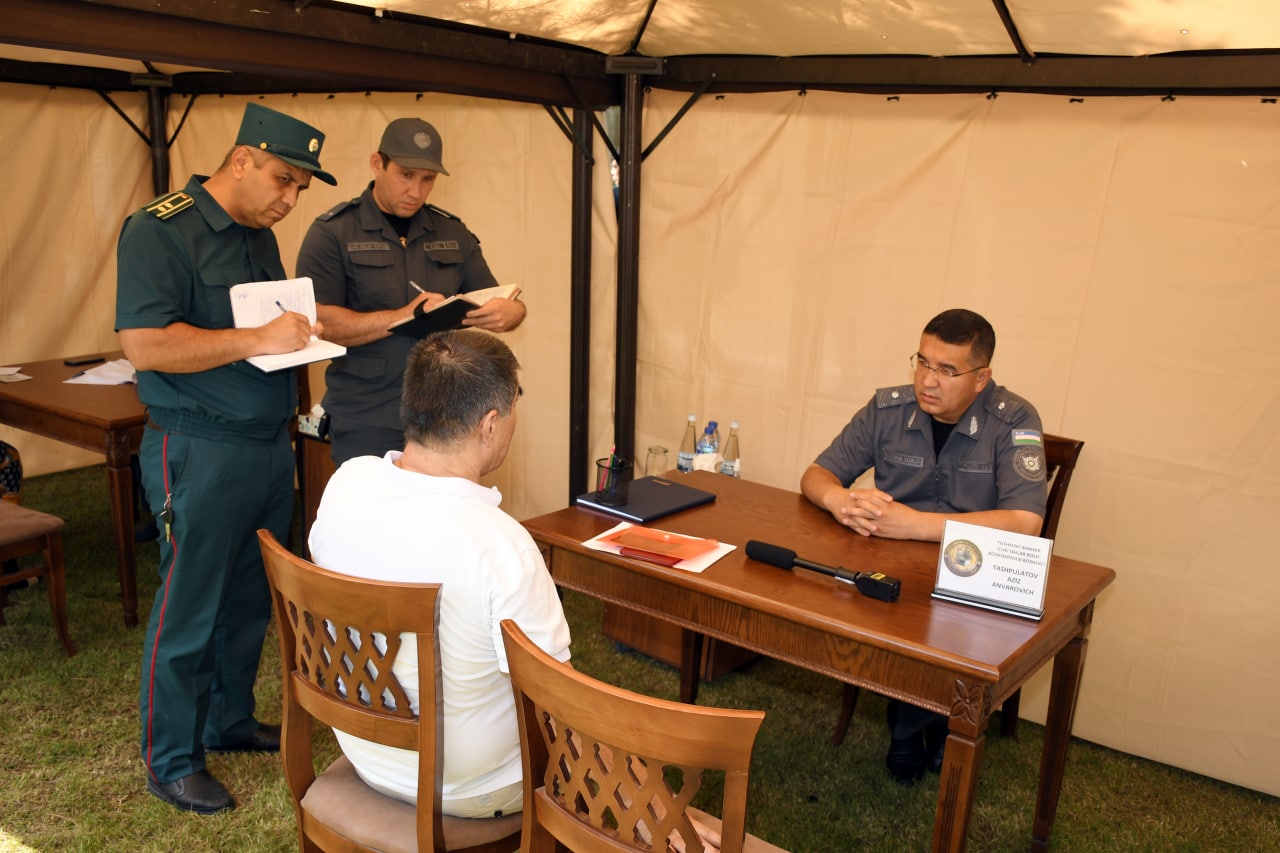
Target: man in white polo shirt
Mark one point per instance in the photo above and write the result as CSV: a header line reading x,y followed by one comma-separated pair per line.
x,y
421,515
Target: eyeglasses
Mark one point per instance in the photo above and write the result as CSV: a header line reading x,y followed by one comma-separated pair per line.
x,y
919,363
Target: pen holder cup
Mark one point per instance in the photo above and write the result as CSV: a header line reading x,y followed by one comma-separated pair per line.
x,y
613,479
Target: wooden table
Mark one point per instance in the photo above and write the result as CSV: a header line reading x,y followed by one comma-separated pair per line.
x,y
107,419
952,659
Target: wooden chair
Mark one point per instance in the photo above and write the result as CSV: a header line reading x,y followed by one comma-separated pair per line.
x,y
25,531
318,613
607,769
1060,455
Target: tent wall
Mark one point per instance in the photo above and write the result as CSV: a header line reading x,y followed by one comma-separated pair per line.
x,y
792,247
73,169
1127,252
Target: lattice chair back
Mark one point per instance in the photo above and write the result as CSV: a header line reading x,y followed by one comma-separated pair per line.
x,y
339,636
608,769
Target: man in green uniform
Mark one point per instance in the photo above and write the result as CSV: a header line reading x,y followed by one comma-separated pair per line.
x,y
216,459
373,259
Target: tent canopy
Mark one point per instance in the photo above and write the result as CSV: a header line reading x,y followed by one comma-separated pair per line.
x,y
568,52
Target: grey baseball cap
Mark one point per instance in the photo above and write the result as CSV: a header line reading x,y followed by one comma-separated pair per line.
x,y
414,144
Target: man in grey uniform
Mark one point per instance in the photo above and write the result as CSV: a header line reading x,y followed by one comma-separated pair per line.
x,y
373,259
952,445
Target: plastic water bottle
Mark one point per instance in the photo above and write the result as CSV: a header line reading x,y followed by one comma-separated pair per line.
x,y
715,435
684,459
729,463
707,442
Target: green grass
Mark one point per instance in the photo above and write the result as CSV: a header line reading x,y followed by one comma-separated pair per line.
x,y
71,779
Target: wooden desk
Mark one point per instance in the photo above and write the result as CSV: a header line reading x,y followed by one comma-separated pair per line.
x,y
107,419
955,660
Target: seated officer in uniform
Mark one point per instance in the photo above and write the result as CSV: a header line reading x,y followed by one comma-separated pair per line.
x,y
952,445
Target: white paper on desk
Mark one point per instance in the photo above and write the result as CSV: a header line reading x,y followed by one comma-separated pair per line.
x,y
118,372
9,371
696,564
256,303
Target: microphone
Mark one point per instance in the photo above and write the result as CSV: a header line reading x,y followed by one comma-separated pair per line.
x,y
875,585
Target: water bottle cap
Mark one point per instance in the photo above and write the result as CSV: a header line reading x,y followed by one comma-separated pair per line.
x,y
712,425
733,425
710,429
693,418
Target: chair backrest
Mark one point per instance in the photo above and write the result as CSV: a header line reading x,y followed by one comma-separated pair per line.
x,y
1060,456
608,769
335,673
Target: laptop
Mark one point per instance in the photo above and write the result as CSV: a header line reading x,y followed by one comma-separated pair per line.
x,y
649,498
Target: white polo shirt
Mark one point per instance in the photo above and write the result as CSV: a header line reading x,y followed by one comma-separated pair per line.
x,y
379,521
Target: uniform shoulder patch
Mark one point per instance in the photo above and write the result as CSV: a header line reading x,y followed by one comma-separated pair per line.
x,y
169,204
443,212
338,208
899,395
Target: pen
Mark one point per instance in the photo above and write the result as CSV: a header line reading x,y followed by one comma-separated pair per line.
x,y
283,310
414,285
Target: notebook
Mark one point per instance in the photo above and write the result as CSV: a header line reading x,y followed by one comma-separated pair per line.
x,y
649,498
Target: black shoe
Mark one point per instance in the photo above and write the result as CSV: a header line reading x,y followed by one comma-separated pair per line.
x,y
935,742
906,758
198,792
265,739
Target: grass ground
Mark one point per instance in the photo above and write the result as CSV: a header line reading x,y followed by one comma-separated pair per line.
x,y
71,780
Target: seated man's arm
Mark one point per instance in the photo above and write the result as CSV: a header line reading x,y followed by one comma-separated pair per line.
x,y
898,521
183,348
872,512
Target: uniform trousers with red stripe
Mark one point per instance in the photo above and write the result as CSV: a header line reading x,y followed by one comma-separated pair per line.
x,y
211,611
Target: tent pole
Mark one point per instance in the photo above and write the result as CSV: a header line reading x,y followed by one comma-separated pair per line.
x,y
580,307
157,109
626,325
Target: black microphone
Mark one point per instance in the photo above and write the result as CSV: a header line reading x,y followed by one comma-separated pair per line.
x,y
876,585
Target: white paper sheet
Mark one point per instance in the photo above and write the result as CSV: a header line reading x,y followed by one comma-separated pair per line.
x,y
695,564
257,303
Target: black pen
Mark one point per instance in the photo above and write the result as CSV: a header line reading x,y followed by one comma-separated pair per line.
x,y
283,310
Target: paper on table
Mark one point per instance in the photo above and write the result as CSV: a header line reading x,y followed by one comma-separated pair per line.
x,y
695,564
257,303
9,371
118,372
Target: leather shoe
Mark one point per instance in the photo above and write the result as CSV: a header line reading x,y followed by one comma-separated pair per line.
x,y
265,739
198,792
935,742
906,758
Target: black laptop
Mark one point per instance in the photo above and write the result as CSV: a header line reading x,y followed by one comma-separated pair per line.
x,y
649,498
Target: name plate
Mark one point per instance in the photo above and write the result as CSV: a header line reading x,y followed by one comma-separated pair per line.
x,y
993,569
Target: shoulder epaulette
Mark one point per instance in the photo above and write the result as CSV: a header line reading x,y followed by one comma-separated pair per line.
x,y
1005,405
899,395
169,204
443,212
338,208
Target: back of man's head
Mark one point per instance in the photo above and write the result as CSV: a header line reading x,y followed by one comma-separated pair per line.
x,y
451,381
959,326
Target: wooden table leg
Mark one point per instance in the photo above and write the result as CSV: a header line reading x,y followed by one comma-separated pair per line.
x,y
962,762
120,486
1068,667
690,664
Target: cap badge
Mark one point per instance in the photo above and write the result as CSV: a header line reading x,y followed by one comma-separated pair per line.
x,y
422,140
314,145
262,145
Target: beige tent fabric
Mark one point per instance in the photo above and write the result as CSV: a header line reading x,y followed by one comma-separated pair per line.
x,y
792,247
509,181
1126,251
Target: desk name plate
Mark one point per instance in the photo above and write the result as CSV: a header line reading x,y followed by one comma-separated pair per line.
x,y
993,569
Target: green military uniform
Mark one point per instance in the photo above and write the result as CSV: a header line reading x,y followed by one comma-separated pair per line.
x,y
357,261
217,451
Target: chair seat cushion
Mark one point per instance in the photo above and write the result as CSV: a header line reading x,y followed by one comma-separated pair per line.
x,y
341,800
18,523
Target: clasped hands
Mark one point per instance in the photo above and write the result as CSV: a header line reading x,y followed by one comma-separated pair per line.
x,y
871,512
